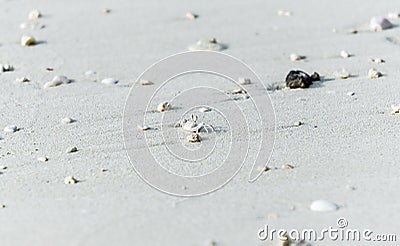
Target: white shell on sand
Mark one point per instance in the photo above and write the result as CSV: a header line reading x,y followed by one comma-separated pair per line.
x,y
42,158
163,107
11,128
22,79
373,73
67,120
323,206
344,54
28,40
244,81
204,109
351,93
57,80
296,57
34,14
284,13
109,81
145,82
191,16
70,180
377,60
344,74
379,23
144,128
205,44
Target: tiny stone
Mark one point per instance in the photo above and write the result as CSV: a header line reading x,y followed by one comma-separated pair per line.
x,y
296,57
191,16
145,82
7,68
204,109
106,11
103,170
239,91
298,123
210,44
42,158
61,78
373,73
3,167
344,74
352,31
163,107
323,206
144,128
22,80
70,180
11,128
52,84
344,54
109,81
27,40
2,206
284,13
351,93
300,79
244,81
67,120
72,150
287,166
34,14
377,60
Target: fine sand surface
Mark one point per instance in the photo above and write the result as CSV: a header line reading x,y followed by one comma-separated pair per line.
x,y
346,151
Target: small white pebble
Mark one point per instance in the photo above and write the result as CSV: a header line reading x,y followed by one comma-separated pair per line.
x,y
204,109
2,206
284,13
27,40
67,120
373,73
296,57
344,74
3,167
191,16
298,123
145,82
11,128
244,81
109,81
376,60
323,206
239,91
393,15
52,84
344,54
163,107
7,68
70,180
106,11
42,159
287,166
351,93
34,14
90,73
22,79
144,128
57,80
72,150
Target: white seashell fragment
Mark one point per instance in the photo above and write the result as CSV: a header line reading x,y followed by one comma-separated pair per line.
x,y
351,93
393,15
244,81
67,120
145,82
11,128
344,54
144,128
239,91
191,16
284,13
373,73
70,180
296,57
109,81
106,11
52,84
323,206
57,80
72,150
378,23
27,40
210,44
287,166
395,109
34,14
204,109
344,74
42,159
377,60
163,107
22,79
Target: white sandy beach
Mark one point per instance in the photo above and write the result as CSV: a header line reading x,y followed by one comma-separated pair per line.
x,y
346,151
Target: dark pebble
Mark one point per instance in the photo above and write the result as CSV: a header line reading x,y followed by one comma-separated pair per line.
x,y
300,79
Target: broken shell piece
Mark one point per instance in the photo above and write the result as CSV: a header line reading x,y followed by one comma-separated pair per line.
x,y
204,109
109,81
27,40
393,15
57,80
144,128
193,138
344,54
163,107
7,68
323,206
373,73
191,16
284,13
300,79
210,44
11,128
395,109
351,93
72,150
298,123
145,82
42,158
352,31
344,74
296,57
67,120
244,81
377,60
34,14
70,180
239,91
22,80
105,11
287,166
379,23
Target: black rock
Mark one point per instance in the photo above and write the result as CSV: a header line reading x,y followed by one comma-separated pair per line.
x,y
300,79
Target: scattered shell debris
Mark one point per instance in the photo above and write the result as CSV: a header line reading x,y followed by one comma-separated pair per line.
x,y
376,60
204,109
378,23
42,158
72,150
210,44
284,13
28,40
67,120
393,15
296,57
22,80
244,81
34,14
373,73
323,206
6,67
144,128
145,82
344,54
193,138
343,74
239,91
287,166
109,81
163,107
70,180
11,128
300,79
395,109
56,81
191,16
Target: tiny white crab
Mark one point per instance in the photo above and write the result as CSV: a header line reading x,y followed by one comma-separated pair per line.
x,y
192,125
